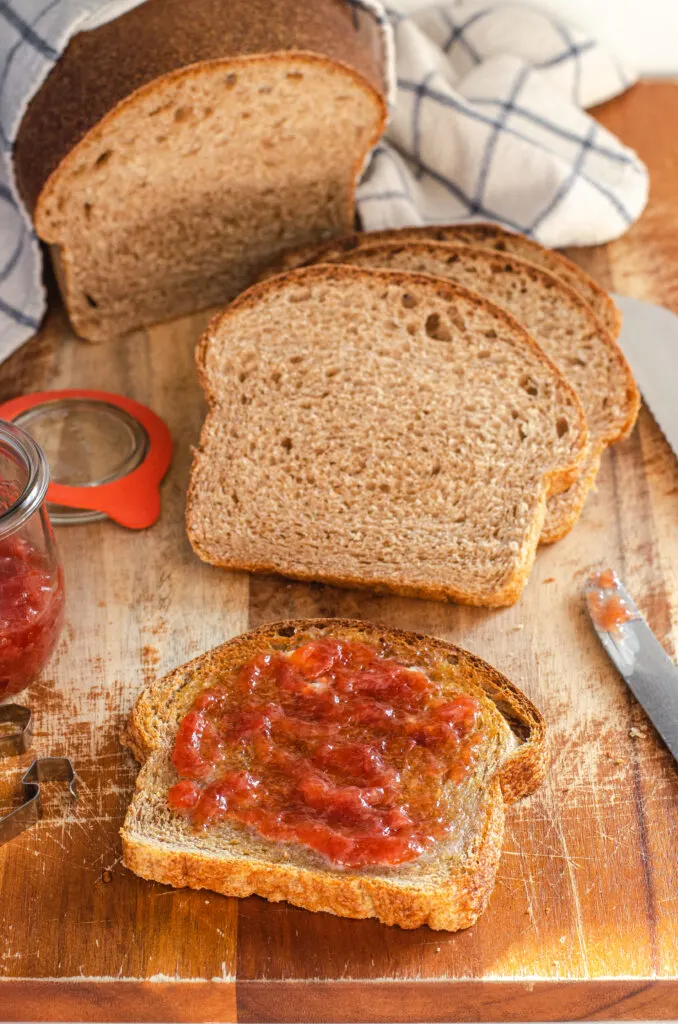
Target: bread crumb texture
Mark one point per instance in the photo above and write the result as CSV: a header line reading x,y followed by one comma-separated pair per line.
x,y
380,429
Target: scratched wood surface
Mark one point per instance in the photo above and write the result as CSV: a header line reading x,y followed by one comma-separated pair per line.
x,y
584,919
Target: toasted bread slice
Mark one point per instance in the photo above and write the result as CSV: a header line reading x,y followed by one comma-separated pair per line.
x,y
562,323
488,236
446,889
379,429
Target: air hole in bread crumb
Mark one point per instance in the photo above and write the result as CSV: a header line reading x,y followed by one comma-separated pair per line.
x,y
183,113
159,110
521,433
332,372
436,329
485,354
453,259
412,329
275,377
287,631
436,469
385,488
242,376
529,384
245,116
265,88
491,333
295,360
300,296
230,80
409,301
234,498
286,443
92,303
514,414
88,210
562,426
103,158
295,76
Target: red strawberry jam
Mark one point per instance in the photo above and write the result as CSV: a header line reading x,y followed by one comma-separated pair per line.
x,y
31,605
333,746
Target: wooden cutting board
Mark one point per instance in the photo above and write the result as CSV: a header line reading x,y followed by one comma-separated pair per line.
x,y
584,919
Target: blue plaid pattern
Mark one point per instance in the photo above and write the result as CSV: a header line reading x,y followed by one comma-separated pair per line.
x,y
489,124
478,129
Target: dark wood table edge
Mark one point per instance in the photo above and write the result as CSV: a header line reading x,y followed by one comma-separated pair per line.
x,y
123,1000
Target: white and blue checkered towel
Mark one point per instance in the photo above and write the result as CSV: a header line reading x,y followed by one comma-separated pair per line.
x,y
487,121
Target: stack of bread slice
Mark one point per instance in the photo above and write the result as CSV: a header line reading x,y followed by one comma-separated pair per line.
x,y
410,410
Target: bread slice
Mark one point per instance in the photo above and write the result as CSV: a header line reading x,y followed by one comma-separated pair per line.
x,y
562,323
446,889
189,150
488,236
379,429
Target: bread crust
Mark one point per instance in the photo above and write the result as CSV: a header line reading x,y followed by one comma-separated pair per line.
x,y
103,67
482,234
558,479
450,906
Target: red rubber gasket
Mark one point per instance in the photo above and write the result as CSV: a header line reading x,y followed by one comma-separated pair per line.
x,y
133,500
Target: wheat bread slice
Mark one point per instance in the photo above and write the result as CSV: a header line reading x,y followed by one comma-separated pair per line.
x,y
379,429
445,889
188,150
484,235
561,322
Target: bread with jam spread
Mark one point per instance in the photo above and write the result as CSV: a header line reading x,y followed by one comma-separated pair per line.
x,y
447,887
562,324
379,429
485,235
172,152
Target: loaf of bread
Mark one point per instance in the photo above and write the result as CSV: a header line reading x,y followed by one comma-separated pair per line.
x,y
379,429
562,323
172,152
488,236
446,889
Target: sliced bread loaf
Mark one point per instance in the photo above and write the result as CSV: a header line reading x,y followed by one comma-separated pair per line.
x,y
488,236
379,429
193,142
447,888
562,323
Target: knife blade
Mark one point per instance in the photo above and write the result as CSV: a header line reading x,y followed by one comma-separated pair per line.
x,y
635,651
649,340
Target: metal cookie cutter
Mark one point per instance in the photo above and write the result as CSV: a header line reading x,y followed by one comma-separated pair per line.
x,y
19,739
45,769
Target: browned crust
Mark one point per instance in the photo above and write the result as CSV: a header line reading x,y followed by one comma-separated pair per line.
x,y
557,480
484,234
102,67
454,905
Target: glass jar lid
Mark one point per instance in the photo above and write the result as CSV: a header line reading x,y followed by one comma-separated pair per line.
x,y
87,443
107,454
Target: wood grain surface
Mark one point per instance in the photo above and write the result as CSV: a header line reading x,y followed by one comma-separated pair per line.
x,y
583,923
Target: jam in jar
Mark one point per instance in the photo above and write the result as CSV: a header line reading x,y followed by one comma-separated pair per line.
x,y
31,576
332,746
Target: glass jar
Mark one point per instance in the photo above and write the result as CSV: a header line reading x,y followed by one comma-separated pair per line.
x,y
31,576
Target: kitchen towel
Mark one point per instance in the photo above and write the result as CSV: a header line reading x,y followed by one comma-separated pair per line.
x,y
486,121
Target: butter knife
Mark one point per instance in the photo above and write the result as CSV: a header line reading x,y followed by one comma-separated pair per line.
x,y
649,340
635,651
